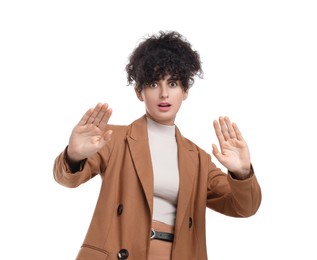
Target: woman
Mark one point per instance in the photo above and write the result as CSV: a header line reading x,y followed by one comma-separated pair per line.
x,y
156,184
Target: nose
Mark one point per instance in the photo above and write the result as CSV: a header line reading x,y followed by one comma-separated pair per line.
x,y
164,91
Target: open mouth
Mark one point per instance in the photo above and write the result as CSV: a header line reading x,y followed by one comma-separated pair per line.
x,y
164,105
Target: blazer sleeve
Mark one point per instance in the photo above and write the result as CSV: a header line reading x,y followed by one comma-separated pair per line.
x,y
232,197
90,167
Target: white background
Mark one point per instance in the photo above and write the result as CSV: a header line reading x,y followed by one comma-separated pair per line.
x,y
59,58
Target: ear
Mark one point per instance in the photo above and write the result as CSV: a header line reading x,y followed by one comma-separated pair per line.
x,y
138,93
185,94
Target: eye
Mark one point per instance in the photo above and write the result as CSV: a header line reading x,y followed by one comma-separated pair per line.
x,y
173,84
153,85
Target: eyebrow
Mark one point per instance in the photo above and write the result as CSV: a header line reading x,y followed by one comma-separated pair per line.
x,y
174,79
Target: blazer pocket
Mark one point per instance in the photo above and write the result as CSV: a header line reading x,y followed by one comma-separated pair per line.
x,y
88,252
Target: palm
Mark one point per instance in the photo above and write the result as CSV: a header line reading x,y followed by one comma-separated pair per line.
x,y
87,138
90,134
234,151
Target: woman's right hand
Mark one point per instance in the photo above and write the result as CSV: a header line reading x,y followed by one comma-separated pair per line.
x,y
90,134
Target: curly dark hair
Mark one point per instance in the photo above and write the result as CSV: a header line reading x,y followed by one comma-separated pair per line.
x,y
166,53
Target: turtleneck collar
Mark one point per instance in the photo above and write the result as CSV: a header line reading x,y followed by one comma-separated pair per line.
x,y
156,128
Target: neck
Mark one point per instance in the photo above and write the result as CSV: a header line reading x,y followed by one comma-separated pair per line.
x,y
169,122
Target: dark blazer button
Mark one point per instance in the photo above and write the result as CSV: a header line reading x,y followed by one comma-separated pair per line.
x,y
190,222
120,209
123,254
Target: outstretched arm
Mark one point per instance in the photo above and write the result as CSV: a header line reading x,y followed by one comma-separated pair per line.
x,y
234,152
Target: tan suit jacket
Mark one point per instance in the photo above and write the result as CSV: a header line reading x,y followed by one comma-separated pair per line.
x,y
123,214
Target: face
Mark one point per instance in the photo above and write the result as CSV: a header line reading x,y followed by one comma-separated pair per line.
x,y
163,99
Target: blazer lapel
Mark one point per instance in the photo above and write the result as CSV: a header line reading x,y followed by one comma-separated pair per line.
x,y
140,152
187,163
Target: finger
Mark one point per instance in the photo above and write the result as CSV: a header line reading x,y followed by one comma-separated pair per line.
x,y
85,117
94,114
237,131
230,129
100,115
224,128
104,121
107,135
219,134
216,152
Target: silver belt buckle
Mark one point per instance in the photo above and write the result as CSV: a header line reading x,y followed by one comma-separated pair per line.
x,y
152,233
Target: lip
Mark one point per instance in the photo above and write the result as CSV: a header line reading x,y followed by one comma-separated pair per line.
x,y
164,106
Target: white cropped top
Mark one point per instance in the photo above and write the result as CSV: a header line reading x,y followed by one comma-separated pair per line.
x,y
163,148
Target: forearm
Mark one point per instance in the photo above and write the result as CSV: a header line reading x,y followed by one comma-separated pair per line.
x,y
233,197
246,195
73,166
69,175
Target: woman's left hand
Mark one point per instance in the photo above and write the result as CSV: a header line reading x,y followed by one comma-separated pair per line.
x,y
234,152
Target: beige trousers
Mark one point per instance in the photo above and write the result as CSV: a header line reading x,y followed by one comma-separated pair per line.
x,y
161,250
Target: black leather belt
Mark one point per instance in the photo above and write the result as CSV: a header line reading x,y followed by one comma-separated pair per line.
x,y
164,236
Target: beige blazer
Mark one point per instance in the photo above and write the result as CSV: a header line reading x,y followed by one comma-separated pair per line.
x,y
123,214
